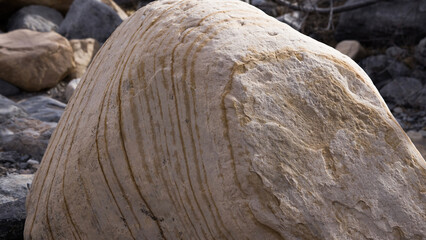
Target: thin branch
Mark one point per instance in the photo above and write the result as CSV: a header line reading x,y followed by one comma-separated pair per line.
x,y
330,17
339,9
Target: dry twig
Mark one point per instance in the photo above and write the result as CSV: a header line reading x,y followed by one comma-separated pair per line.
x,y
339,9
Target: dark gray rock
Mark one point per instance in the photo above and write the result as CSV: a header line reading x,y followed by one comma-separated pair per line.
x,y
420,52
384,23
13,157
129,4
419,74
397,69
43,108
419,99
26,136
403,91
7,89
268,7
142,3
9,109
396,53
13,191
375,67
89,19
381,69
36,18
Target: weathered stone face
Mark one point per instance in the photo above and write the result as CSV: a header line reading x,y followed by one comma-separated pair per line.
x,y
211,120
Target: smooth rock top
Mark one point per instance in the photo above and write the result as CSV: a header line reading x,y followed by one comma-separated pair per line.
x,y
33,60
36,18
211,120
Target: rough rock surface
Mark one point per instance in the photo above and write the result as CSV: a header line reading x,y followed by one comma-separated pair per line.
x,y
211,120
84,51
34,60
89,19
36,18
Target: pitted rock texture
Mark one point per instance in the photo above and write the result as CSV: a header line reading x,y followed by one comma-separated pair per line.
x,y
210,120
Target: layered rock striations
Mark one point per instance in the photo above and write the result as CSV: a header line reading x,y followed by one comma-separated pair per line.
x,y
210,120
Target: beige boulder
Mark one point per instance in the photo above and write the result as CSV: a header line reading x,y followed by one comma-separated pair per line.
x,y
351,48
211,120
84,50
34,60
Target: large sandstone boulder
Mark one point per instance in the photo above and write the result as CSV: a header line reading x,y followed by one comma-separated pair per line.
x,y
211,120
33,60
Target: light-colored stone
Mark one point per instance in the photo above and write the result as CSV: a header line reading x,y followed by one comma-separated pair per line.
x,y
351,48
84,51
34,60
211,120
71,87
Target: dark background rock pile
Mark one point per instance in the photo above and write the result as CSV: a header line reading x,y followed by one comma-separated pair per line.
x,y
46,46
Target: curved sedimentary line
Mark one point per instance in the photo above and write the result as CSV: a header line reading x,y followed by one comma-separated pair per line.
x,y
99,158
177,109
120,124
192,88
191,73
68,213
162,119
53,139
